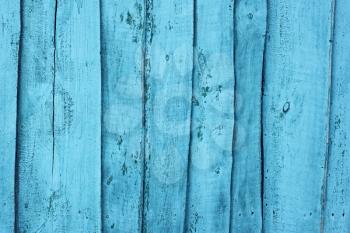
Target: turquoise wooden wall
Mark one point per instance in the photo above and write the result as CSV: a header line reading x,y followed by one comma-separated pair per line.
x,y
174,116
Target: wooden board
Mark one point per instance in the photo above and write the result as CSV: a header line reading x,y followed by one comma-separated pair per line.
x,y
250,27
168,75
296,111
337,215
122,131
208,207
9,45
77,118
35,117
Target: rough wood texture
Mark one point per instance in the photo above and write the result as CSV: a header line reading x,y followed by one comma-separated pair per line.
x,y
9,43
337,214
168,75
208,207
296,110
152,116
122,145
77,118
250,27
35,117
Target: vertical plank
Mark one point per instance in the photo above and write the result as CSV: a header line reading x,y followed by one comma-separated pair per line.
x,y
250,27
168,75
35,119
296,99
77,118
9,41
122,130
337,215
212,118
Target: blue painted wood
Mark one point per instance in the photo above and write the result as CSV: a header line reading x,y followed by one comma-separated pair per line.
x,y
9,45
122,131
168,75
75,202
296,109
250,27
337,215
35,117
213,119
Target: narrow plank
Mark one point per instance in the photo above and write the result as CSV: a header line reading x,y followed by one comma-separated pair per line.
x,y
9,45
250,27
35,117
77,118
168,75
122,130
337,215
296,99
212,118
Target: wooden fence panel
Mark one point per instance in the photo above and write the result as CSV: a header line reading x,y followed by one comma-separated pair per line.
x,y
9,44
77,118
246,208
212,118
168,81
122,131
35,117
337,215
296,110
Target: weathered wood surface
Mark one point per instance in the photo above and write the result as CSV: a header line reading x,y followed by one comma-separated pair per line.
x,y
174,116
337,205
9,45
208,207
35,117
296,114
246,208
122,132
167,90
77,118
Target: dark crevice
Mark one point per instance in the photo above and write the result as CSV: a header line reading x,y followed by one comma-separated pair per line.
x,y
326,161
144,118
234,107
18,120
101,117
53,91
262,158
189,162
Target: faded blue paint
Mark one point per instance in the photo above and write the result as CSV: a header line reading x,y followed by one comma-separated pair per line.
x,y
167,90
9,41
212,119
250,22
296,114
122,131
337,201
120,124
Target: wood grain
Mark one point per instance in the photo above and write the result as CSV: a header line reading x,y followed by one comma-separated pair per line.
x,y
122,130
167,86
77,119
250,27
9,45
208,207
296,109
35,117
337,201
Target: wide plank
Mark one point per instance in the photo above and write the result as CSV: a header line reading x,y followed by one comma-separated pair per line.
x,y
250,28
209,194
76,203
122,130
296,114
337,201
35,117
9,45
167,86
